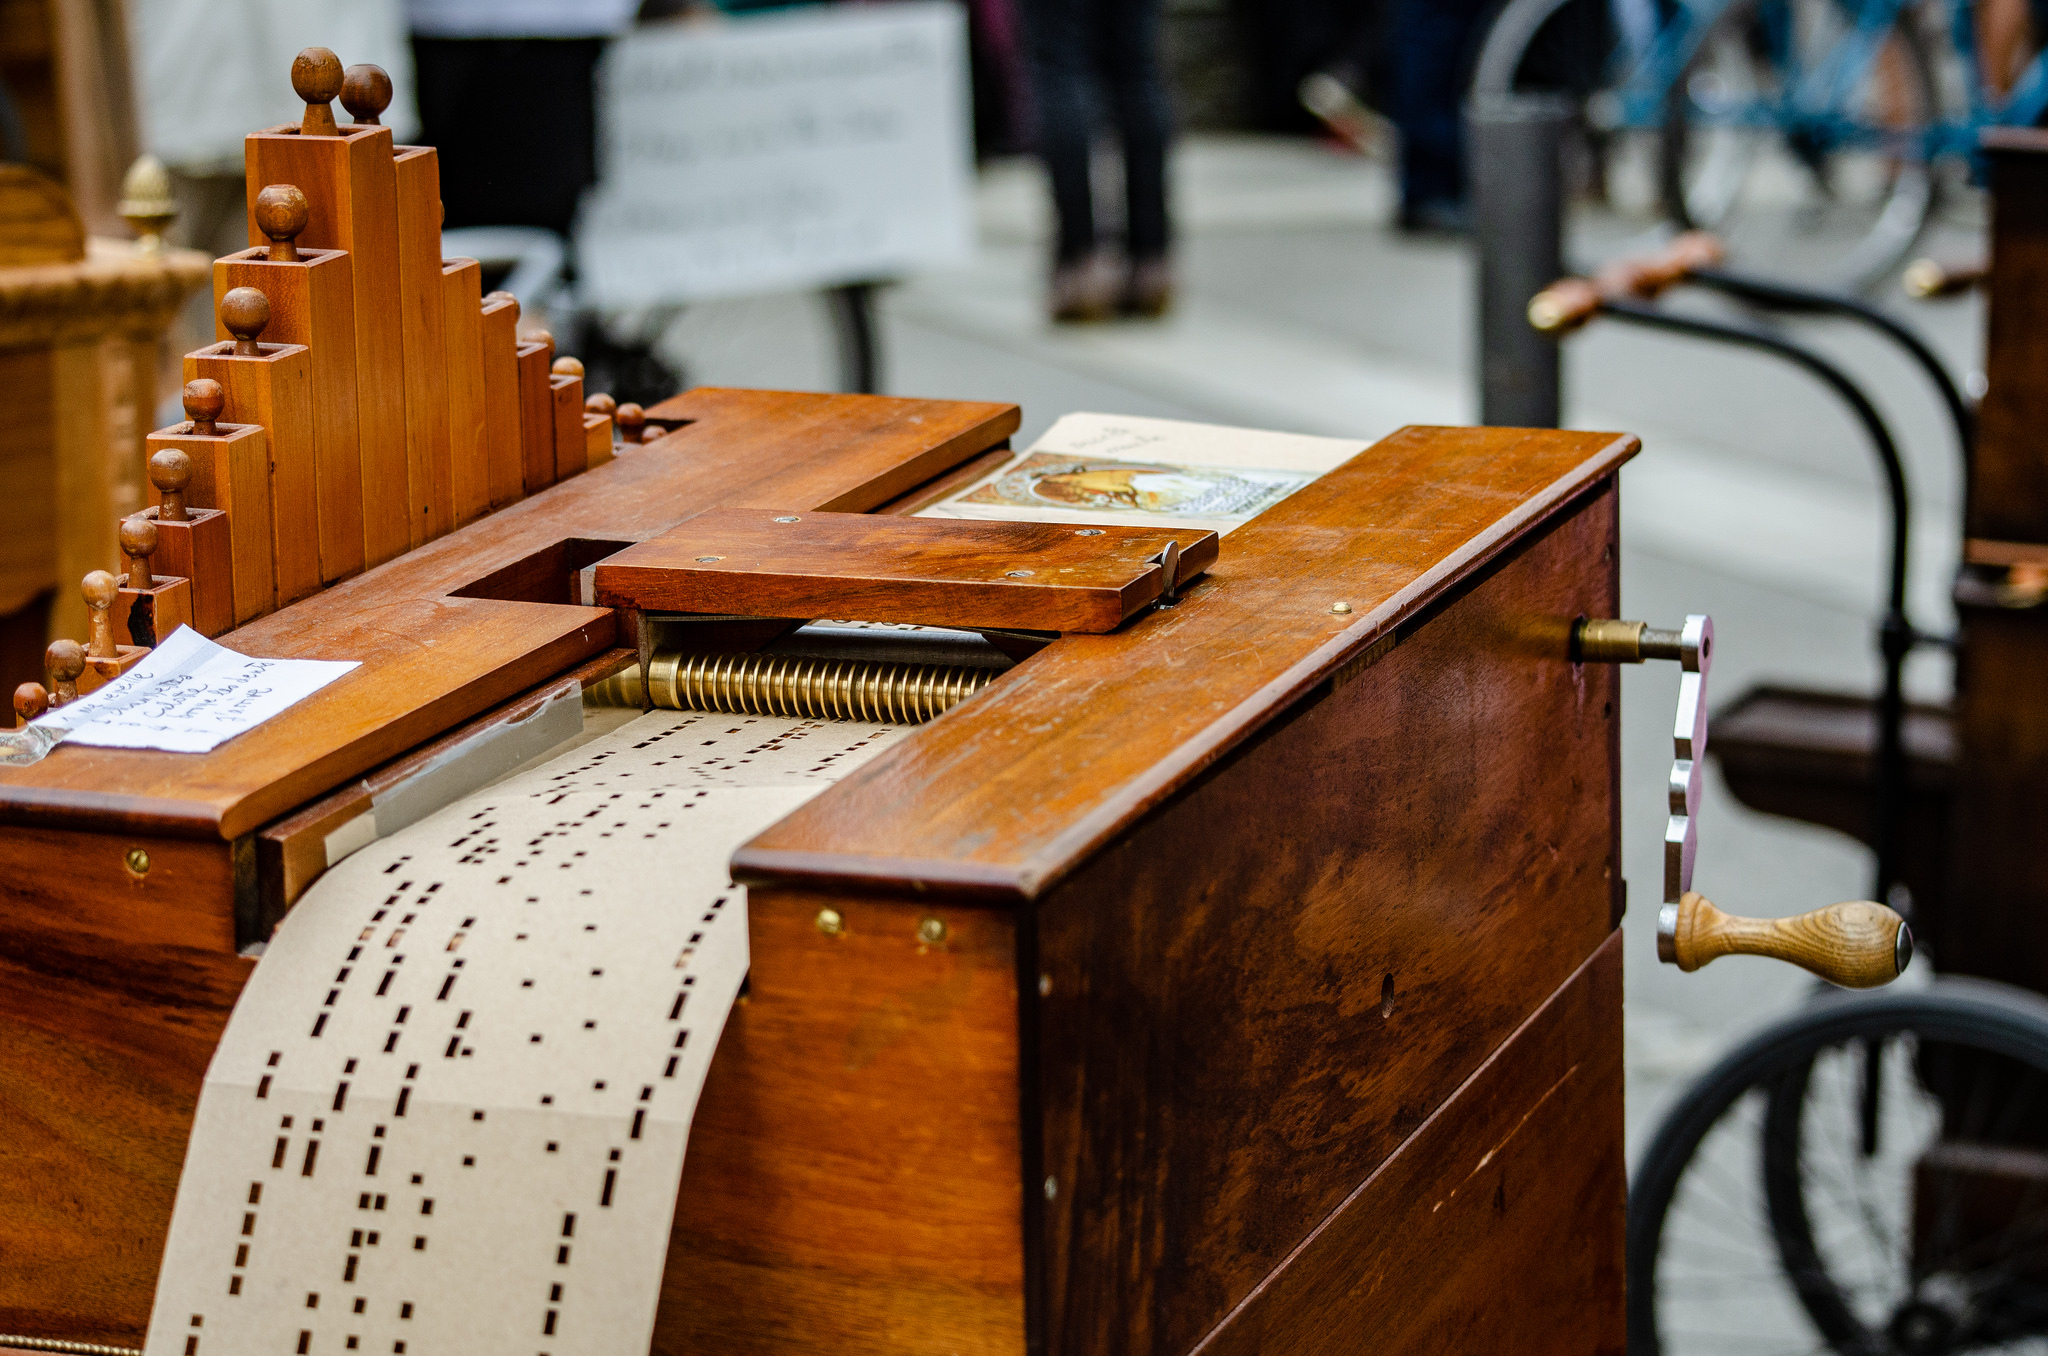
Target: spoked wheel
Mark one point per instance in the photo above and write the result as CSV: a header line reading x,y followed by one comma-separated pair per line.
x,y
1867,1177
1801,138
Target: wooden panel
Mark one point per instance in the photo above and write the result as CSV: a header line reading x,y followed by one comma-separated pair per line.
x,y
536,414
312,302
423,328
144,617
499,323
468,436
1261,990
275,390
113,992
866,1089
431,661
565,405
201,550
231,472
937,571
597,439
1385,533
1521,1253
2008,490
28,452
351,193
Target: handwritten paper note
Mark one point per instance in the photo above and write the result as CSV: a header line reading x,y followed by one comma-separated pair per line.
x,y
190,696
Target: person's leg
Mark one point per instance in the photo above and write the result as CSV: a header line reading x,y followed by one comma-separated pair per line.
x,y
1137,90
1432,44
1062,48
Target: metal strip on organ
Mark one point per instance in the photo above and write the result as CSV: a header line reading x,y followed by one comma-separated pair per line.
x,y
450,1110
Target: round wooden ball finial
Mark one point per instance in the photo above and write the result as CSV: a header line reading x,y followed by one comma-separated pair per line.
x,y
245,311
171,471
539,336
62,663
281,212
316,77
30,701
365,93
204,400
631,421
499,296
567,367
138,543
601,404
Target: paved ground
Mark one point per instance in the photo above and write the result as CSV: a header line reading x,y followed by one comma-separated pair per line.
x,y
1755,498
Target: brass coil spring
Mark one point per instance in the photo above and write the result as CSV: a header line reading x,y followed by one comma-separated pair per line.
x,y
794,685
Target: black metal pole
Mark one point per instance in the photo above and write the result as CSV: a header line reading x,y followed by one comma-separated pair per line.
x,y
1517,143
853,316
1895,633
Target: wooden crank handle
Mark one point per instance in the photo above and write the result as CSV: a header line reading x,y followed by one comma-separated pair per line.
x,y
1564,306
1648,276
1858,945
1927,279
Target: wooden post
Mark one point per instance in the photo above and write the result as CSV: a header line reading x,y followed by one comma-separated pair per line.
x,y
468,422
351,189
271,385
148,605
499,322
423,329
196,543
565,390
536,412
312,302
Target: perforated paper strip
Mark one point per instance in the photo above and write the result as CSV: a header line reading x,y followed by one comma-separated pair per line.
x,y
450,1110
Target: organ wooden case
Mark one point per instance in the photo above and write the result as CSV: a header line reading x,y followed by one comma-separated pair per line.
x,y
1237,970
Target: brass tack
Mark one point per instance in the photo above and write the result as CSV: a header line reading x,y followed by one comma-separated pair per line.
x,y
1052,1188
1341,609
830,923
931,931
1017,574
706,560
790,519
1045,986
137,861
1089,532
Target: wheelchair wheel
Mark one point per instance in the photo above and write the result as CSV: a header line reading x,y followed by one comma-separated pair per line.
x,y
1868,1176
1801,139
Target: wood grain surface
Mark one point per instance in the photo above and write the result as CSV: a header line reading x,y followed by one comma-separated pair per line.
x,y
931,571
536,414
1254,995
499,323
1496,1227
865,1090
1853,944
275,391
565,414
423,332
230,473
432,659
200,549
312,302
1060,764
351,190
469,456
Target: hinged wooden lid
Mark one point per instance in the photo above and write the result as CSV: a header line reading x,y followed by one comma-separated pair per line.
x,y
929,571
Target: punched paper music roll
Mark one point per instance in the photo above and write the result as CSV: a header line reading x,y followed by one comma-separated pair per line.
x,y
450,1110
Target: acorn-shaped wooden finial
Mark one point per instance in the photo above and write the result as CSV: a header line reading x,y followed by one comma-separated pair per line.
x,y
281,212
100,590
138,543
245,311
62,663
171,471
146,203
316,77
365,93
631,421
30,701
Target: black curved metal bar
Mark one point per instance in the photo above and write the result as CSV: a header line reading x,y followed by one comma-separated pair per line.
x,y
1895,634
1785,296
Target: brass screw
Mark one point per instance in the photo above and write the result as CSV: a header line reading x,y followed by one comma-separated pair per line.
x,y
931,931
830,923
706,560
1045,986
791,519
1017,574
1089,532
137,861
1341,609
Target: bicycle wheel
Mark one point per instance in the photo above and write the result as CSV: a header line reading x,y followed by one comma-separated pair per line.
x,y
1868,1176
1801,138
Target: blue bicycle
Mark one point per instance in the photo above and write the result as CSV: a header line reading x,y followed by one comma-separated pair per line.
x,y
1824,127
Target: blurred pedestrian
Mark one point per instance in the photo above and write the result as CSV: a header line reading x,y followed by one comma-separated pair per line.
x,y
1086,56
1434,45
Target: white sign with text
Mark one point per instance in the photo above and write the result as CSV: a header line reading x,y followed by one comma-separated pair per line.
x,y
778,152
